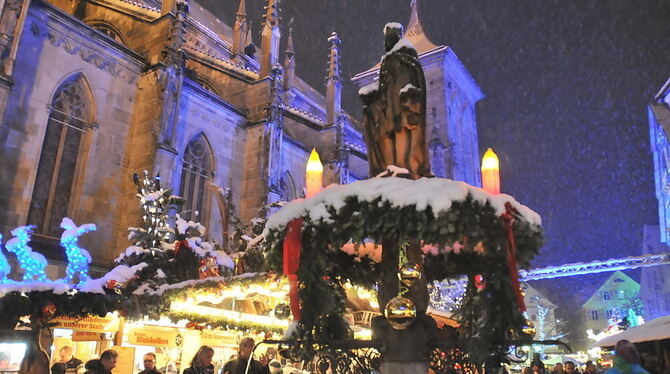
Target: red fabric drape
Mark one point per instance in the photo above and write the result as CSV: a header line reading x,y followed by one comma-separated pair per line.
x,y
508,222
292,249
179,244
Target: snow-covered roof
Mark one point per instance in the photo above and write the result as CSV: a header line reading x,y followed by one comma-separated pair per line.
x,y
437,193
656,329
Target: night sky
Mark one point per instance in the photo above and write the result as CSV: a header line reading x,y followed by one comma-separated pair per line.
x,y
566,83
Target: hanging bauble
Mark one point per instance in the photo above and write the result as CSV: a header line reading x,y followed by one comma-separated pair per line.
x,y
480,283
529,328
282,311
400,312
409,273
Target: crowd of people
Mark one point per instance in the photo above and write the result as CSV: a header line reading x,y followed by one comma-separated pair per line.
x,y
202,362
627,360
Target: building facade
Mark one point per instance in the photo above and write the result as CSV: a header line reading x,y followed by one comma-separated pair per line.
x,y
92,91
659,128
541,311
611,302
654,280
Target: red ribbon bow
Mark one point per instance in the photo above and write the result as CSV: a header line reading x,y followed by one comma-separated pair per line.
x,y
292,249
508,222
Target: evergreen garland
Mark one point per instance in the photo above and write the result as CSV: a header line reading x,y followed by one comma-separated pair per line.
x,y
491,320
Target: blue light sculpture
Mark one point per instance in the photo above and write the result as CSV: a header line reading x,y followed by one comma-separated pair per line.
x,y
32,263
4,265
78,258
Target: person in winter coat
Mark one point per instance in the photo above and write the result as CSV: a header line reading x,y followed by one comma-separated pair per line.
x,y
149,361
104,364
68,364
239,364
202,361
626,360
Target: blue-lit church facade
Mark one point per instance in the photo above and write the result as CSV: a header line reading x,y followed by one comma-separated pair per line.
x,y
92,91
659,128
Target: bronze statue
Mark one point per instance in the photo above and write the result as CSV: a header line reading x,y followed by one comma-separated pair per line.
x,y
395,111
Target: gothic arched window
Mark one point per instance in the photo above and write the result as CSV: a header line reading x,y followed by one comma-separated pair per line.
x,y
287,187
196,172
69,119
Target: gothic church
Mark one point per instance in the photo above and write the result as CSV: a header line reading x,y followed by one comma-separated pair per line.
x,y
94,90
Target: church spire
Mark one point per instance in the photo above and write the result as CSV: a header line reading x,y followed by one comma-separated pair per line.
x,y
289,62
333,85
414,30
270,37
240,30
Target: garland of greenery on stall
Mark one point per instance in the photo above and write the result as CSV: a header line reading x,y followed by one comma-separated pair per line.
x,y
491,321
161,266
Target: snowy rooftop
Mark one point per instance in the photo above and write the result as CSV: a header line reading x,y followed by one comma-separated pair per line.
x,y
437,193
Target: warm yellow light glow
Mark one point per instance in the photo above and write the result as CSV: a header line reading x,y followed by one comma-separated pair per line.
x,y
490,160
188,306
314,162
491,172
313,174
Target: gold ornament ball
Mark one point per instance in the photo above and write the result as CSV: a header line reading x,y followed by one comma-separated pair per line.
x,y
409,273
529,328
400,312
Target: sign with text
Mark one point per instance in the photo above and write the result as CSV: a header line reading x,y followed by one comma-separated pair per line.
x,y
155,337
108,323
215,338
87,336
126,361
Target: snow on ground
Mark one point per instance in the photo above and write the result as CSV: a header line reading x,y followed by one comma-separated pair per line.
x,y
438,193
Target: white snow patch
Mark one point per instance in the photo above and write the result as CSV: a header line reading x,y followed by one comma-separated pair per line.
x,y
183,226
205,249
189,283
132,250
402,43
153,196
393,25
57,287
392,171
120,274
256,240
438,193
370,88
407,88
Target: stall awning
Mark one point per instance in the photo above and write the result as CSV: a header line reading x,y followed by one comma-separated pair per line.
x,y
656,329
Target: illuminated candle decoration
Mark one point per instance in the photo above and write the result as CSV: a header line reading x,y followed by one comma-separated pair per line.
x,y
5,269
77,258
491,172
313,174
32,263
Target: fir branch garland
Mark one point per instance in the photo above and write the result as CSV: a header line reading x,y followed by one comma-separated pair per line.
x,y
491,321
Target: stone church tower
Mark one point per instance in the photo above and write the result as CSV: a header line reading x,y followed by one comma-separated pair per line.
x,y
92,91
451,98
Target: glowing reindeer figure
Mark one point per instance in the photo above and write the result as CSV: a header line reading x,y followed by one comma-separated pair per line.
x,y
31,262
5,269
77,258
